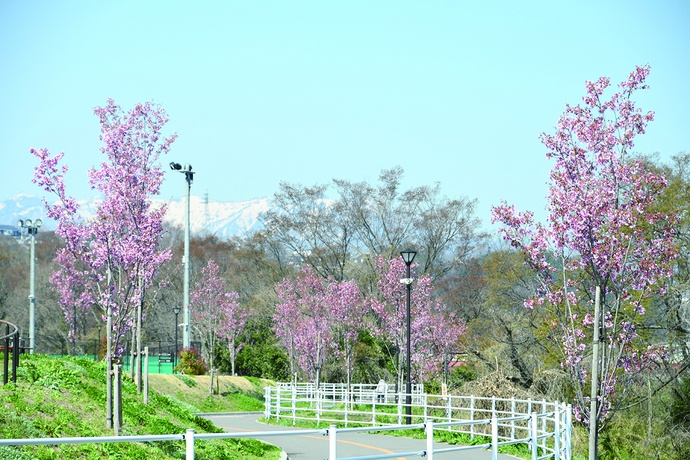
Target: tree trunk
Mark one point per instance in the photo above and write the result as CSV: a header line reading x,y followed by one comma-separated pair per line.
x,y
109,373
139,357
210,388
132,350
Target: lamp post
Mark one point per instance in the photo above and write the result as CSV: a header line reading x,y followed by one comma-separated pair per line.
x,y
189,178
176,310
32,228
408,257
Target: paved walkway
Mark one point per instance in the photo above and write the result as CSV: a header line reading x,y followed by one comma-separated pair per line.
x,y
315,447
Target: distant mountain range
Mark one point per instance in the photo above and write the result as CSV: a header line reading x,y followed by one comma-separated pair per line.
x,y
223,219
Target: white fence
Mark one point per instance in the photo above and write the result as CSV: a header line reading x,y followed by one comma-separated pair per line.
x,y
543,426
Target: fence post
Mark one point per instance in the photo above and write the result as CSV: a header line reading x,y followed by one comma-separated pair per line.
x,y
15,356
278,404
449,410
347,404
373,412
189,444
430,440
117,388
535,445
569,431
267,403
512,422
6,358
400,399
543,422
146,375
294,405
557,431
494,436
332,443
472,416
318,406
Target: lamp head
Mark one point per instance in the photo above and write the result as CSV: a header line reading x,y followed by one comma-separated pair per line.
x,y
38,223
28,223
187,168
176,310
408,255
175,166
20,223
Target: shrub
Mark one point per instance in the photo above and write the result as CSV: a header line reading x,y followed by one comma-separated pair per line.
x,y
191,362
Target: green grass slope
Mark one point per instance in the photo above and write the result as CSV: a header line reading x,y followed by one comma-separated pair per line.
x,y
231,394
66,397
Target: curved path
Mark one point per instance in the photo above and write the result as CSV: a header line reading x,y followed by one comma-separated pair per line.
x,y
315,447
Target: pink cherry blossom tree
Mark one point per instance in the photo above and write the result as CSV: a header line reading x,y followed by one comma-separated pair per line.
x,y
427,317
217,314
601,232
346,304
304,321
110,261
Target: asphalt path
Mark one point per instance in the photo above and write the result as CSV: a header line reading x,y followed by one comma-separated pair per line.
x,y
358,444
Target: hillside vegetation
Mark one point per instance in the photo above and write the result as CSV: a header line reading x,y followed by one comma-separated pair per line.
x,y
66,397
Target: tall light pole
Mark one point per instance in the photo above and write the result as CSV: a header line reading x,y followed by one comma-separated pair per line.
x,y
408,257
189,178
176,310
32,228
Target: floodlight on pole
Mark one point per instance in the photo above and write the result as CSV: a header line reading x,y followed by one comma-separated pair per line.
x,y
32,228
189,178
408,256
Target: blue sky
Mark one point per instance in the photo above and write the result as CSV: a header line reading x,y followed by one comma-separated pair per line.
x,y
267,91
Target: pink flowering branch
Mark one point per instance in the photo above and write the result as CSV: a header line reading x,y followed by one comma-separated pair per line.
x,y
601,231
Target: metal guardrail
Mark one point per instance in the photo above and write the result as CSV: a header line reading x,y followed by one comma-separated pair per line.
x,y
542,425
16,349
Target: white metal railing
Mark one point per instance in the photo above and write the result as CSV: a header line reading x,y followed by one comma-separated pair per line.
x,y
188,437
359,392
542,425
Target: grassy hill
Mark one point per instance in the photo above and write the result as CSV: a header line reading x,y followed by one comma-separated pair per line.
x,y
66,397
231,394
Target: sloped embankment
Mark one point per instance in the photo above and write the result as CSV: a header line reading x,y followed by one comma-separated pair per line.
x,y
66,397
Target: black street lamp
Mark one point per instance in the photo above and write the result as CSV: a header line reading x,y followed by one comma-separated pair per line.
x,y
408,257
176,310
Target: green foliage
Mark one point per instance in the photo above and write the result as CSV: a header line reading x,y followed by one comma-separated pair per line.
x,y
191,383
191,362
260,357
13,453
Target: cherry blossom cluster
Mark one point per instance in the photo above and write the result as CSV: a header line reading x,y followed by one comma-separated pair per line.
x,y
319,317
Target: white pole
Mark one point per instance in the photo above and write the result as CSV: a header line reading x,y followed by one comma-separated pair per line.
x,y
430,440
494,437
185,304
332,443
593,425
32,297
189,444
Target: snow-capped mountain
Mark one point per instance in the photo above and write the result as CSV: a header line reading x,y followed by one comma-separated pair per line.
x,y
221,218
